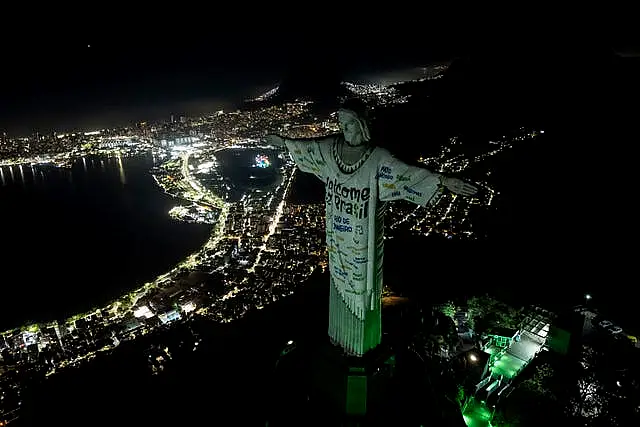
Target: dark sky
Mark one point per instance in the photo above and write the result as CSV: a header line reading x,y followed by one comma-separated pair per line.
x,y
106,76
104,83
146,67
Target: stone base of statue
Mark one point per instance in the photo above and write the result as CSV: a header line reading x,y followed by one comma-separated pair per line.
x,y
351,387
317,384
314,382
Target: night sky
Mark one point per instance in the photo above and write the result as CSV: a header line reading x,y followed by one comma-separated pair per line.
x,y
95,81
99,84
107,74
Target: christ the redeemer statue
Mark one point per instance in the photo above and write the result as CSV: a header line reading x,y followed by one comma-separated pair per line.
x,y
359,179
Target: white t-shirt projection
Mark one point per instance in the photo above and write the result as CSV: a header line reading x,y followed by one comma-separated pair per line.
x,y
355,205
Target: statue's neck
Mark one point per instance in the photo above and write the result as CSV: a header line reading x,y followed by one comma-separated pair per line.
x,y
359,146
351,154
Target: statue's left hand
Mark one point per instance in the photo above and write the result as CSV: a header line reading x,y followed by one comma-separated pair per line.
x,y
460,187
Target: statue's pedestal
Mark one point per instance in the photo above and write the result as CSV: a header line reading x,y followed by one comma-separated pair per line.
x,y
350,387
316,384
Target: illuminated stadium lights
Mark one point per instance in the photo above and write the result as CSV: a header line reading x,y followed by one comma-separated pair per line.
x,y
262,161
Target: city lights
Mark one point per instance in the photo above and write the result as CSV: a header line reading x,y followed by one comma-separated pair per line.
x,y
254,251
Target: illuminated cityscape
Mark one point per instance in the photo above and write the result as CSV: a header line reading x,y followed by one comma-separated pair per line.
x,y
263,248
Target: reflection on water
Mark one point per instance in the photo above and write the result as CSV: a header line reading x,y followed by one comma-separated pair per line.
x,y
75,238
123,179
30,174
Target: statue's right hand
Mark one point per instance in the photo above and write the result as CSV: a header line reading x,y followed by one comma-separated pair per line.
x,y
276,140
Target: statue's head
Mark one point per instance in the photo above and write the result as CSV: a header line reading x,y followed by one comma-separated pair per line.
x,y
353,120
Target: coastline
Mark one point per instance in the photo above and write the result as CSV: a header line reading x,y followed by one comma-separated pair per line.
x,y
129,297
124,304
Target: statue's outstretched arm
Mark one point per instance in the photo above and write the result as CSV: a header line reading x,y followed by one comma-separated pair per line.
x,y
280,141
400,181
307,153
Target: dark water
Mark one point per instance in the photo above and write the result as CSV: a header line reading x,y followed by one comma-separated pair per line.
x,y
239,170
74,239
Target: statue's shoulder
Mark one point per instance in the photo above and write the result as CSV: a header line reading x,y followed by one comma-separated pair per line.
x,y
334,138
382,154
327,141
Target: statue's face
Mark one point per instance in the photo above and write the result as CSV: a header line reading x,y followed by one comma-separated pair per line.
x,y
350,127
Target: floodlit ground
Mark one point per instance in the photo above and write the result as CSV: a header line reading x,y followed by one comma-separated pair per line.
x,y
477,414
526,348
517,357
507,365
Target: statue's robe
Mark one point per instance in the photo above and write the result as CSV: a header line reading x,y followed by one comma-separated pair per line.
x,y
355,204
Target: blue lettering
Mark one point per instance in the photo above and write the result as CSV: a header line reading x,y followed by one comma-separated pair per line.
x,y
394,194
412,191
342,228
